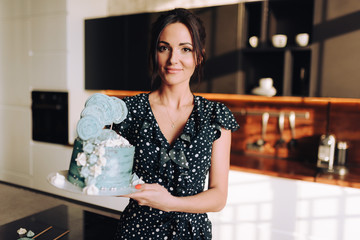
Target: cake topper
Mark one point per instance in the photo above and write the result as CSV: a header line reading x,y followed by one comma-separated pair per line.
x,y
100,110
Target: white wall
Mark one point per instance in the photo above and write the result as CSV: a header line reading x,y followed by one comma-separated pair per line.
x,y
338,58
41,48
15,114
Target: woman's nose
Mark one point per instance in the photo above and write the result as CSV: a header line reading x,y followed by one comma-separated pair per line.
x,y
174,57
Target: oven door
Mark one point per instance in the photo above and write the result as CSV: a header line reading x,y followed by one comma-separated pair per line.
x,y
50,117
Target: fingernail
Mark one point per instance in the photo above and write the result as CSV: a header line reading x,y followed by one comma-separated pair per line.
x,y
138,186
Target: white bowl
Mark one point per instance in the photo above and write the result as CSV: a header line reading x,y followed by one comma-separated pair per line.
x,y
265,88
254,41
279,40
302,39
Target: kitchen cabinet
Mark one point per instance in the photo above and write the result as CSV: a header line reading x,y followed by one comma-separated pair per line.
x,y
288,66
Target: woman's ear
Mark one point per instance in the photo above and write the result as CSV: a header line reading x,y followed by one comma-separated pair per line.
x,y
202,54
201,58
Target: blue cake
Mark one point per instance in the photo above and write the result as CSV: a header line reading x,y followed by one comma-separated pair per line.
x,y
101,160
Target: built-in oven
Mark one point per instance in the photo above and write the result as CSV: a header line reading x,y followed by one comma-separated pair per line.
x,y
50,116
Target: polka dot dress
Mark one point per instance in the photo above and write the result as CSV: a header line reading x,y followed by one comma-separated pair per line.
x,y
181,168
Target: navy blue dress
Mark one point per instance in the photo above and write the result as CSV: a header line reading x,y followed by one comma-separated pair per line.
x,y
181,167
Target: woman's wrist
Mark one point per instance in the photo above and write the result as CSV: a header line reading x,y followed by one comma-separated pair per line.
x,y
173,204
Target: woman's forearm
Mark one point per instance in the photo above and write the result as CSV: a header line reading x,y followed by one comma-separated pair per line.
x,y
211,200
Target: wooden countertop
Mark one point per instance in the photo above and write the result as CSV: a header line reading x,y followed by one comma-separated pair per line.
x,y
293,169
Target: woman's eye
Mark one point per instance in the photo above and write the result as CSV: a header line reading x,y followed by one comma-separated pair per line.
x,y
187,49
162,48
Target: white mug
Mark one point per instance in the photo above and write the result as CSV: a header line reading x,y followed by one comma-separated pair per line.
x,y
279,40
254,41
266,83
302,39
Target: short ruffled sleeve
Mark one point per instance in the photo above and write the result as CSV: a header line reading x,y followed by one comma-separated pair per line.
x,y
223,118
212,117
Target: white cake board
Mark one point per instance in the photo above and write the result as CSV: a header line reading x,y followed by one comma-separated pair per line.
x,y
67,186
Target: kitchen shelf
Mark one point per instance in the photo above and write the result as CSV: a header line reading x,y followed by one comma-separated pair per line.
x,y
272,49
289,67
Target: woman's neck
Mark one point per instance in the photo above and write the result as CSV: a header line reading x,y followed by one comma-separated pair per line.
x,y
173,97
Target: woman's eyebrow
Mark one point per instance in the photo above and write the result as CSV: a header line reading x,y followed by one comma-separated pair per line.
x,y
164,42
185,43
180,44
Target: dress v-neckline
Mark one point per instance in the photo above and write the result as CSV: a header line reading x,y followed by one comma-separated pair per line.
x,y
158,126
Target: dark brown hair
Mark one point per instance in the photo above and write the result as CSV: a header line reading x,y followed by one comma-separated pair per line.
x,y
198,35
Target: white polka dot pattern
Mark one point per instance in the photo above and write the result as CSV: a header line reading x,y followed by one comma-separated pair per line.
x,y
181,168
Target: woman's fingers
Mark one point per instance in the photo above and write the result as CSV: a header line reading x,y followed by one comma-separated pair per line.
x,y
141,188
152,186
152,195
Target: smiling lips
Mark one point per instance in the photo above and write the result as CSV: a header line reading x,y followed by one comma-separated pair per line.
x,y
173,70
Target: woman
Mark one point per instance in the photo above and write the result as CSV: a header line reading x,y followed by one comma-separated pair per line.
x,y
179,139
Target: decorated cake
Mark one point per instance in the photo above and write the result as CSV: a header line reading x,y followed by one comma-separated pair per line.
x,y
101,160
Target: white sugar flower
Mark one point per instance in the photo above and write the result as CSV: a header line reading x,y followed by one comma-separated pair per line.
x,y
91,190
120,141
81,159
58,180
95,170
124,141
109,143
100,151
101,161
30,234
21,231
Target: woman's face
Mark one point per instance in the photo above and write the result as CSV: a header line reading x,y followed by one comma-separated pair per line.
x,y
175,55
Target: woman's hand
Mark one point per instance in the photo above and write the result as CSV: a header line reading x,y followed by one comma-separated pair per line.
x,y
153,195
